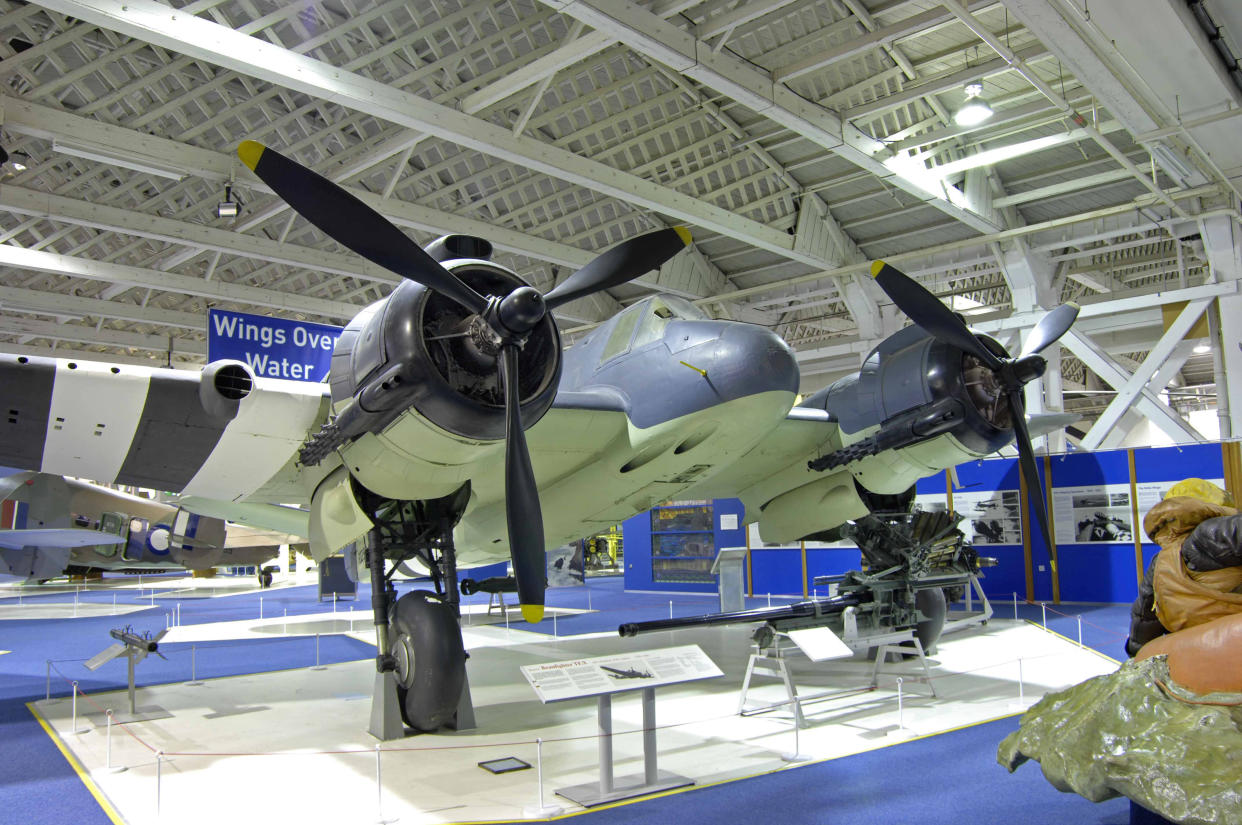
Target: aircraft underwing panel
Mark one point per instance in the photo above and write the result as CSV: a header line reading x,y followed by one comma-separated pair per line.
x,y
268,429
92,419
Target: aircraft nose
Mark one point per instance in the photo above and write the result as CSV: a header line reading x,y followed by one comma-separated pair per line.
x,y
754,359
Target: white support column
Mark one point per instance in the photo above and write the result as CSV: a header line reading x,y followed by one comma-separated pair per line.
x,y
1029,275
1054,396
1146,402
1224,250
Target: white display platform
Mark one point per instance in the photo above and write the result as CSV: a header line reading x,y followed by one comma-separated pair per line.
x,y
218,744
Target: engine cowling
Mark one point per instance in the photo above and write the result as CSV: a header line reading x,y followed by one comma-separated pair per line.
x,y
420,353
919,388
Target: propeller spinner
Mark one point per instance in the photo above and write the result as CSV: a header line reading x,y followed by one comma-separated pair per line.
x,y
510,319
1010,374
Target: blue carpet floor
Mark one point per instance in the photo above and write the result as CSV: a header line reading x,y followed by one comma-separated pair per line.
x,y
948,778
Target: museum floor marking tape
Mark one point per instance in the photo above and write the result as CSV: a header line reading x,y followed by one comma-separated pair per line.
x,y
82,773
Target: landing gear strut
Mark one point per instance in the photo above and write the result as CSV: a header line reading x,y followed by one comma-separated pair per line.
x,y
420,661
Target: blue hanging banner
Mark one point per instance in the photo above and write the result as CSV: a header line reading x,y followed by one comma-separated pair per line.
x,y
272,347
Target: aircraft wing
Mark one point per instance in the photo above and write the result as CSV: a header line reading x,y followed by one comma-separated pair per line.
x,y
777,463
104,656
275,517
63,537
170,430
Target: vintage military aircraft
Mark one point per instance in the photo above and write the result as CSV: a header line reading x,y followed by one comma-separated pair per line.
x,y
461,362
52,526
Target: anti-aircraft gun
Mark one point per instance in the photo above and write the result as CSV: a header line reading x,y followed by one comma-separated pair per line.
x,y
910,560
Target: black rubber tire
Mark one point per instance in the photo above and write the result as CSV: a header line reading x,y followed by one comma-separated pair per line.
x,y
931,603
426,640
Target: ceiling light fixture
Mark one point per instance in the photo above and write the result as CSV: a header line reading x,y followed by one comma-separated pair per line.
x,y
115,158
228,208
975,110
1201,349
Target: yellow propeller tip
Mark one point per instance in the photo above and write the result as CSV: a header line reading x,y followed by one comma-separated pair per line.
x,y
684,234
532,613
876,267
250,151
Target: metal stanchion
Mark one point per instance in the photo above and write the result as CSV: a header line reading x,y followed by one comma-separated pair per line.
x,y
1015,605
260,607
542,811
670,608
1043,607
113,604
1080,631
796,755
194,680
379,791
73,724
317,665
48,696
108,766
554,633
1021,703
901,717
159,770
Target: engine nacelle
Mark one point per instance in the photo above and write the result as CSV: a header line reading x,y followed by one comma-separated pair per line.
x,y
920,388
420,353
223,386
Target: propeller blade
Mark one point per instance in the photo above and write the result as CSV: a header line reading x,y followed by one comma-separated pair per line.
x,y
1026,459
1044,423
522,512
925,309
624,262
1050,328
353,224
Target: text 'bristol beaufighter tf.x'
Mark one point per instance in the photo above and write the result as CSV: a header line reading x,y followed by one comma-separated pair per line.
x,y
461,362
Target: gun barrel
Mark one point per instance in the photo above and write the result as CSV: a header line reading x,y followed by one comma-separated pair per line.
x,y
813,607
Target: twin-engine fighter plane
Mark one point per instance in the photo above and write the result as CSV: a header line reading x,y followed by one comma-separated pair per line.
x,y
462,362
51,526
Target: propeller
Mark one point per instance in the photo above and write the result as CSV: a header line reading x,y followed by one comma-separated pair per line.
x,y
1010,374
511,319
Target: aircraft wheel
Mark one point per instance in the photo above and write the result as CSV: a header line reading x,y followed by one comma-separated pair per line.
x,y
430,660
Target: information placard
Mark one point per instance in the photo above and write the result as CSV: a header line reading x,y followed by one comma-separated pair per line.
x,y
577,678
1093,513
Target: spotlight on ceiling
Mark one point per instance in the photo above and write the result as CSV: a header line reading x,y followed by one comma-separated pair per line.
x,y
228,208
1201,349
975,110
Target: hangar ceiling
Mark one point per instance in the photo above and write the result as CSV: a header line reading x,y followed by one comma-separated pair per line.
x,y
797,138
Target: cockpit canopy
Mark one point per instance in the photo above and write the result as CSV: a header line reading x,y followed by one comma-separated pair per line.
x,y
643,323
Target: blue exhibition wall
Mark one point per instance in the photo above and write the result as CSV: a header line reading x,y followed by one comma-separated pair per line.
x,y
1095,571
1009,575
1096,508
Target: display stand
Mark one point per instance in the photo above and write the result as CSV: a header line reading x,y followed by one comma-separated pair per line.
x,y
909,647
971,618
818,643
135,648
610,788
607,675
730,570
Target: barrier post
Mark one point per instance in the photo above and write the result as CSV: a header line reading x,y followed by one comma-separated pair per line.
x,y
48,696
796,755
1080,631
